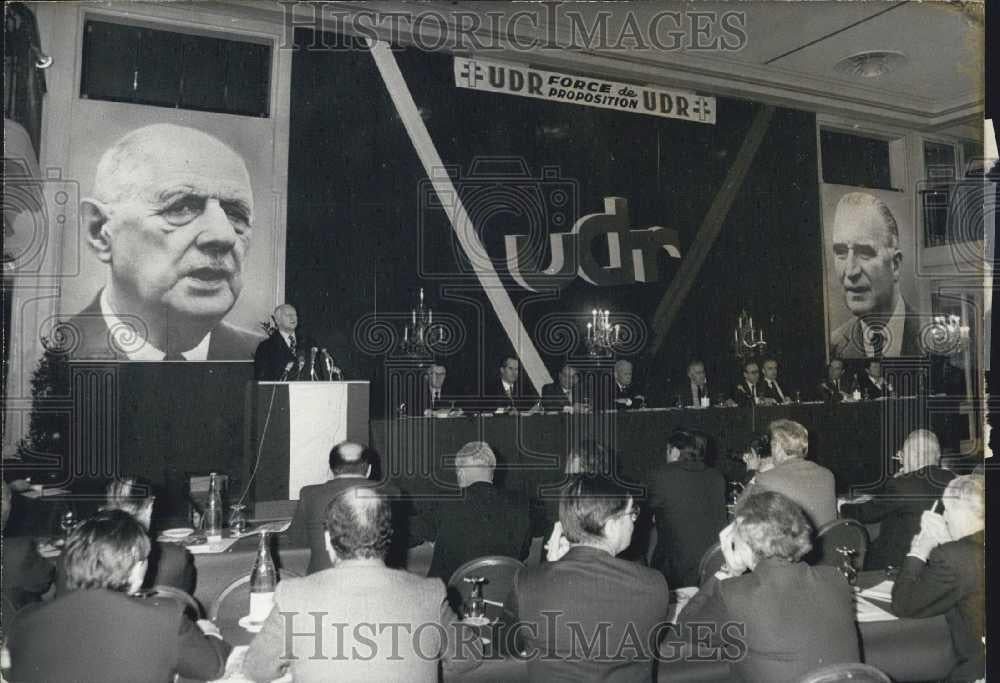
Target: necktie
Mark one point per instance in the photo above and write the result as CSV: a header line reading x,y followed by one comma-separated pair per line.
x,y
291,343
836,385
878,340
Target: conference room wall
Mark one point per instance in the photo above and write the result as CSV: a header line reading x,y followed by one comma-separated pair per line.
x,y
360,242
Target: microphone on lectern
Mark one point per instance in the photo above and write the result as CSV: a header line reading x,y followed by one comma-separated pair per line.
x,y
288,368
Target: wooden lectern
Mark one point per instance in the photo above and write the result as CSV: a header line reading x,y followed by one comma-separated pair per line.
x,y
291,427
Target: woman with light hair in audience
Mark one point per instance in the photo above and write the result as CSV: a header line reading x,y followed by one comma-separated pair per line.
x,y
945,573
169,564
796,617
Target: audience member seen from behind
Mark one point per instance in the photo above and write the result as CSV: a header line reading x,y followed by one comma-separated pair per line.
x,y
344,604
100,630
487,520
897,507
688,500
945,573
168,564
349,463
590,457
796,617
787,472
592,590
26,574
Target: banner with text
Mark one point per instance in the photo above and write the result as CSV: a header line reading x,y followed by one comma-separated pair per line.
x,y
514,79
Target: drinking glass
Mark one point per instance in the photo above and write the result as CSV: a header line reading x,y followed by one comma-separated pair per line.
x,y
237,519
66,523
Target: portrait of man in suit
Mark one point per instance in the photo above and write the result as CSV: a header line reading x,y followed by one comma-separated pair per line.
x,y
868,263
171,214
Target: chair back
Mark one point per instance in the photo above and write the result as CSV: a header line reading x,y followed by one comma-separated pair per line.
x,y
835,536
233,603
191,606
497,570
711,562
856,673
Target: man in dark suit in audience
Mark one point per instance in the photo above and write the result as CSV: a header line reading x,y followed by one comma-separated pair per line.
x,y
901,501
834,388
26,574
747,392
592,592
871,382
945,573
485,521
627,393
565,392
787,472
98,631
771,392
350,464
688,499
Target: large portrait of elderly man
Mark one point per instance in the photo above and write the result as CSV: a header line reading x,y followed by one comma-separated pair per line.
x,y
873,302
171,216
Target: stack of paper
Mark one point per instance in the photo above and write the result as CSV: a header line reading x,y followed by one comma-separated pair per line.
x,y
865,611
882,591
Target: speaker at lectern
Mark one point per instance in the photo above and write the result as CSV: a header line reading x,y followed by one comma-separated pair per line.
x,y
291,427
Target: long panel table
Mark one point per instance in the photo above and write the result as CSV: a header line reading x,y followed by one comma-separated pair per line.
x,y
854,440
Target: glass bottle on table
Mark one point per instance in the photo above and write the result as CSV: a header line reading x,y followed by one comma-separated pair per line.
x,y
212,519
263,580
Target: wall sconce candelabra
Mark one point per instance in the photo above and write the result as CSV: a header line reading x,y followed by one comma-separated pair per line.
x,y
747,341
420,334
948,334
602,337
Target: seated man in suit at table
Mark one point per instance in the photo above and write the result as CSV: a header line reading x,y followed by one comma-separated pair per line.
x,y
565,392
168,564
945,573
350,464
901,501
871,382
359,620
627,393
771,392
26,576
617,603
809,485
695,388
506,389
485,521
432,392
99,631
834,388
747,392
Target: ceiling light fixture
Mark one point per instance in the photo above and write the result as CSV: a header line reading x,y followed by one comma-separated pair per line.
x,y
870,64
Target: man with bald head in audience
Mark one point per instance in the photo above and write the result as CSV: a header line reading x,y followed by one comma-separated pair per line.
x,y
360,620
897,506
868,263
171,214
351,464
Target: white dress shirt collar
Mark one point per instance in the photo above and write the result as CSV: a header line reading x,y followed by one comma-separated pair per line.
x,y
122,334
